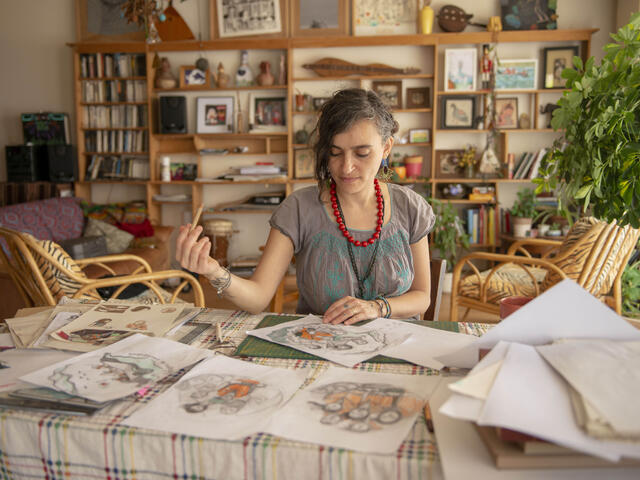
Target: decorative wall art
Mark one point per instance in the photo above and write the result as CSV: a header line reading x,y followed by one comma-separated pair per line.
x,y
214,114
390,92
102,21
384,17
267,112
457,111
448,163
507,112
556,59
248,17
528,14
516,74
310,17
419,135
460,68
304,164
418,97
192,77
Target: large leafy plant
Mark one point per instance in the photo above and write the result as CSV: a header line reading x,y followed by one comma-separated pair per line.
x,y
448,232
598,163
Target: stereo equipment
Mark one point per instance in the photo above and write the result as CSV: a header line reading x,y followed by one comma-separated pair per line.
x,y
173,114
26,163
63,163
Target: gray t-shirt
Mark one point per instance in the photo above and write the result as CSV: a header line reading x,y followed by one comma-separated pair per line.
x,y
323,267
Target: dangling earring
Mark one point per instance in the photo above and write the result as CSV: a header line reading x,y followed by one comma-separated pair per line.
x,y
385,171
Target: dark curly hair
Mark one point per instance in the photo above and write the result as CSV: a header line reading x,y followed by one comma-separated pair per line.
x,y
338,114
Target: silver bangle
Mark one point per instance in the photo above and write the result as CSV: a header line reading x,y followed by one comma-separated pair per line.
x,y
221,283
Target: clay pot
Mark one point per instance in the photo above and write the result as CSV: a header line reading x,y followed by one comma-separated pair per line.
x,y
413,165
509,305
265,78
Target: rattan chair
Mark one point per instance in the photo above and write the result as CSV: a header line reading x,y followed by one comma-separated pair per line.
x,y
43,273
593,254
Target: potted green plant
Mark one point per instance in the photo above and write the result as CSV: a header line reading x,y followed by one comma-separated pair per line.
x,y
523,211
598,161
631,288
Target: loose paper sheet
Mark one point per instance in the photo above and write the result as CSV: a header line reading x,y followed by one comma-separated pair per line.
x,y
564,311
346,345
20,361
221,398
368,412
117,370
424,343
478,382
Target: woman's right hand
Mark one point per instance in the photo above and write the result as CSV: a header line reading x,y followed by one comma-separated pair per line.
x,y
193,254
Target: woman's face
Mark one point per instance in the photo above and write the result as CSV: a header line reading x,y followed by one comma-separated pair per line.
x,y
355,156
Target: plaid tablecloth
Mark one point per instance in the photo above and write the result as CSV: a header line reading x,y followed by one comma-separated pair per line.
x,y
51,446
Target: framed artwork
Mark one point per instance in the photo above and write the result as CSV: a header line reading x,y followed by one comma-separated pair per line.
x,y
528,14
310,17
318,102
458,111
384,18
233,18
419,97
516,74
214,114
192,77
419,135
507,112
447,163
101,21
390,92
460,68
556,59
267,112
303,163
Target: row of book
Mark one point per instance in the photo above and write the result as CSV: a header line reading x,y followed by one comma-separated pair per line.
x,y
117,116
114,91
116,141
98,65
482,227
526,165
117,167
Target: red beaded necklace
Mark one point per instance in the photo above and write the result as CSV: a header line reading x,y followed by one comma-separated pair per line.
x,y
343,228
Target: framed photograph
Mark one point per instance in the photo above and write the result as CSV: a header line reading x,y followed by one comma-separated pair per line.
x,y
303,163
507,112
556,59
318,102
419,97
310,17
384,18
390,92
447,163
233,18
460,68
267,112
214,114
458,111
101,21
516,74
419,135
192,77
528,15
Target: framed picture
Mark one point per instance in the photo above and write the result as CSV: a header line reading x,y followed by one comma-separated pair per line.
x,y
458,111
214,114
310,17
101,21
267,112
419,135
460,68
303,163
384,18
233,18
507,112
556,59
419,97
516,74
390,92
528,14
447,163
192,77
318,102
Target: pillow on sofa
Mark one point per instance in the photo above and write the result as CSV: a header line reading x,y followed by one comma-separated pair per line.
x,y
117,240
130,217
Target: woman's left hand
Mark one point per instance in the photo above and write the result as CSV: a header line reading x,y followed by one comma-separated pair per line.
x,y
349,310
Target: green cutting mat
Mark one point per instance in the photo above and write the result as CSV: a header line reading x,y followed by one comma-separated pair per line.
x,y
257,347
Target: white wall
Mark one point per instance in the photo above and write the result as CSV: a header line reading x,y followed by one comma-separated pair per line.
x,y
624,11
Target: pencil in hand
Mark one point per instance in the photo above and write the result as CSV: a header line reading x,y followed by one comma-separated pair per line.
x,y
196,217
427,417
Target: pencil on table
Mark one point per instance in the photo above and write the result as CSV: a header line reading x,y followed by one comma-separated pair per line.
x,y
427,417
219,332
196,217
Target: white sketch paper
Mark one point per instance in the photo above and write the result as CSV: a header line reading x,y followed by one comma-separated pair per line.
x,y
20,361
368,412
346,345
221,398
117,370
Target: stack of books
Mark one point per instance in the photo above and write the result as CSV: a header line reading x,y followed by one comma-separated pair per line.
x,y
526,166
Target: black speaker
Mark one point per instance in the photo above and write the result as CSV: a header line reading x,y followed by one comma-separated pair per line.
x,y
26,163
63,163
173,114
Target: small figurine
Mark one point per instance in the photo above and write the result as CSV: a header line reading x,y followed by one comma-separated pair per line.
x,y
282,73
221,78
489,163
524,121
486,68
244,75
265,79
164,77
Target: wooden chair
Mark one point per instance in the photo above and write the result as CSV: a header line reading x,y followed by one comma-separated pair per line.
x,y
593,254
43,273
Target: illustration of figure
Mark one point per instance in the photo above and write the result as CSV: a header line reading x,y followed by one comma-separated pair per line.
x,y
211,116
460,79
102,322
244,75
559,64
108,308
486,68
506,116
459,116
98,337
140,308
138,325
328,337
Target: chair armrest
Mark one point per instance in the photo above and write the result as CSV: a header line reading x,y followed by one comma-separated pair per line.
x,y
118,257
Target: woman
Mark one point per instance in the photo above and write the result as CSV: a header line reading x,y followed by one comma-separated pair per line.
x,y
361,246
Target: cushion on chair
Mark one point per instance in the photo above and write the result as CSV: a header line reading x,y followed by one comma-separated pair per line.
x,y
507,281
117,240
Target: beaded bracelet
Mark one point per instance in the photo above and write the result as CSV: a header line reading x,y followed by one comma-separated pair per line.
x,y
387,314
222,283
380,305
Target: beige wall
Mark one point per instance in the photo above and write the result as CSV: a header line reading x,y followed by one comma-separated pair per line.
x,y
37,71
625,9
